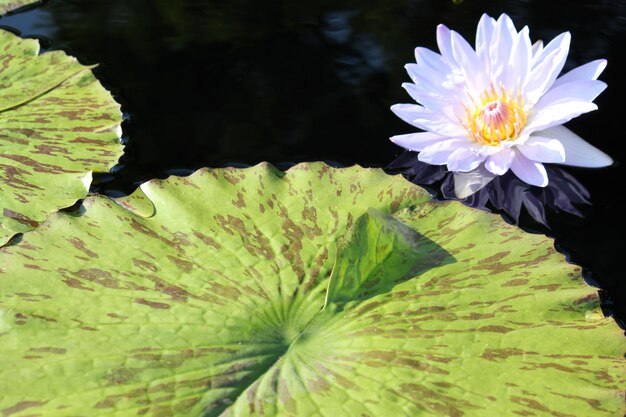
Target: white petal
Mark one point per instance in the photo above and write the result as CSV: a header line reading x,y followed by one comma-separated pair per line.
x,y
428,78
438,153
426,98
505,21
469,63
521,60
424,119
557,114
448,102
542,149
464,160
547,67
449,85
444,42
563,103
416,141
500,162
589,71
558,43
484,33
537,48
533,173
467,183
586,90
577,151
426,57
407,112
501,45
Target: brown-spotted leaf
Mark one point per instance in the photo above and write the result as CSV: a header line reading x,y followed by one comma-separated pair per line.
x,y
57,126
10,5
207,300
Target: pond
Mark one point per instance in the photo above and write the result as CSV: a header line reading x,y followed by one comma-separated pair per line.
x,y
215,83
206,83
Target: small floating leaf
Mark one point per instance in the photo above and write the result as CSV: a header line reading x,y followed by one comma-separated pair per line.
x,y
57,126
10,5
212,301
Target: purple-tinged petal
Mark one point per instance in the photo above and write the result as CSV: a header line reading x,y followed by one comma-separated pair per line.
x,y
521,60
447,101
547,67
470,64
450,85
464,160
407,112
424,119
500,162
557,114
428,58
589,71
536,49
501,46
437,82
586,90
440,123
438,153
533,173
444,42
577,151
505,21
560,42
426,98
423,85
484,34
416,141
542,149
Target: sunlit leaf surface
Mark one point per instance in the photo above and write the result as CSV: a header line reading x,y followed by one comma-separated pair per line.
x,y
319,292
10,5
57,126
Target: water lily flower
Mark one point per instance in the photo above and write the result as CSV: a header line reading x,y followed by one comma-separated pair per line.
x,y
499,106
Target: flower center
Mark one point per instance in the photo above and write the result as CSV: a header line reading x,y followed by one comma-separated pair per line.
x,y
497,117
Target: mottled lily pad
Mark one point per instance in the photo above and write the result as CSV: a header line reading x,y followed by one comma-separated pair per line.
x,y
319,292
10,5
57,126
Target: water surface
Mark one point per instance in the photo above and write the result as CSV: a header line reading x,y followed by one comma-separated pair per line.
x,y
209,83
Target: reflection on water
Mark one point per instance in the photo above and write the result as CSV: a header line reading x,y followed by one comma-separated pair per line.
x,y
211,82
33,21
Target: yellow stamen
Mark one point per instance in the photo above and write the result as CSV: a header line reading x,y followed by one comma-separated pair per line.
x,y
498,117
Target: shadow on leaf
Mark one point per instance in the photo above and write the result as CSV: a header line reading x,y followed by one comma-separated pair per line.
x,y
381,253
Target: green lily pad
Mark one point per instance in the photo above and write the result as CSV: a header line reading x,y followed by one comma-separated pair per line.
x,y
58,125
10,5
319,292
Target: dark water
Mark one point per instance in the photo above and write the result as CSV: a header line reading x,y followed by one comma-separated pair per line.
x,y
208,83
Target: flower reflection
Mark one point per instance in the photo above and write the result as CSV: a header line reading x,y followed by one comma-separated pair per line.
x,y
506,193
